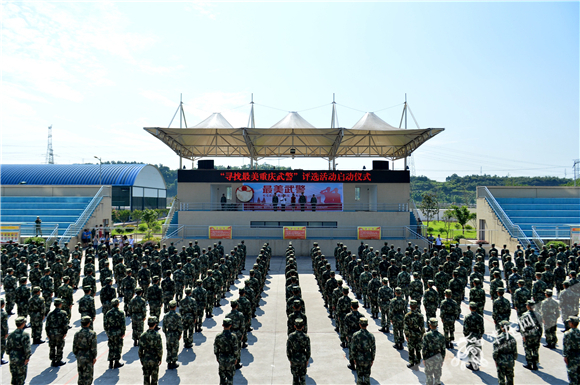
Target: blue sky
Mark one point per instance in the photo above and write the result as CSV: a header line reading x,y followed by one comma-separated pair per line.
x,y
501,78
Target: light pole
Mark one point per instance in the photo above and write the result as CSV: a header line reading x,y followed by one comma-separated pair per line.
x,y
100,167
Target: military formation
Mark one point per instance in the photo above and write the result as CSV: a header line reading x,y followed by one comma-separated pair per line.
x,y
194,282
397,283
156,289
298,343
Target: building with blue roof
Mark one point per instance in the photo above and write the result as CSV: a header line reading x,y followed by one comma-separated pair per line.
x,y
71,197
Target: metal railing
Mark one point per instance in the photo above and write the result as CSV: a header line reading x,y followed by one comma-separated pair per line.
x,y
172,210
53,236
537,239
551,232
80,223
28,229
349,207
182,232
514,230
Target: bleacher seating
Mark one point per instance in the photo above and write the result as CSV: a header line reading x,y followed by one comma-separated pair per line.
x,y
550,216
52,210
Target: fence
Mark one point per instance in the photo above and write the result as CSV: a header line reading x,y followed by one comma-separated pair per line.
x,y
350,207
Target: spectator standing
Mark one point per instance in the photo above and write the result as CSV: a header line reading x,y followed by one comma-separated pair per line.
x,y
38,227
293,202
283,202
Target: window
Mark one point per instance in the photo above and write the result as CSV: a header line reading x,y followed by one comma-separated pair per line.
x,y
357,193
229,193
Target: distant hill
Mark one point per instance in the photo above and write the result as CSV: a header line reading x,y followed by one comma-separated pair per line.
x,y
461,189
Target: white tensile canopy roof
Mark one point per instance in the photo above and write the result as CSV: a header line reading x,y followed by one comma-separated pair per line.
x,y
293,136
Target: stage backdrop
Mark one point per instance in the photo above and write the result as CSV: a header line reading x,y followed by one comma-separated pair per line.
x,y
328,196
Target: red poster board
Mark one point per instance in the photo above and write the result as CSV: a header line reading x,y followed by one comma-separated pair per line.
x,y
368,232
294,232
220,232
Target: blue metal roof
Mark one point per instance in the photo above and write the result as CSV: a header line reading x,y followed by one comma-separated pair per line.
x,y
69,174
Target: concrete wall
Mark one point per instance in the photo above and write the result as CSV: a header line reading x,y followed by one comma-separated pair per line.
x,y
302,246
534,192
494,230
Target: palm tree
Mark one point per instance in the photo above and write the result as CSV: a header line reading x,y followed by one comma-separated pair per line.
x,y
462,215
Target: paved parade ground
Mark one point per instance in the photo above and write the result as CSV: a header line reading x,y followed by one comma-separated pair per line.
x,y
265,362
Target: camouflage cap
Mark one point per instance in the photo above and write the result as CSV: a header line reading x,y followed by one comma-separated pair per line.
x,y
548,291
128,270
430,282
573,319
57,301
299,322
415,274
46,269
398,290
242,291
227,322
385,280
152,321
23,279
188,290
363,321
477,280
345,289
115,302
521,281
35,289
138,290
108,279
504,323
172,303
297,303
413,303
86,319
448,291
354,303
531,302
20,321
433,321
473,304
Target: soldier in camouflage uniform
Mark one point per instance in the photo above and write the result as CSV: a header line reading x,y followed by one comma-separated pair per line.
x,y
384,297
65,293
87,305
22,296
18,348
473,330
397,309
501,309
531,329
115,329
416,288
342,309
108,293
414,330
431,300
550,313
209,285
225,349
521,297
571,350
128,285
47,287
433,353
448,314
172,327
477,295
56,329
85,350
200,296
3,331
352,326
568,303
298,352
155,298
36,311
363,350
138,307
505,353
150,352
188,309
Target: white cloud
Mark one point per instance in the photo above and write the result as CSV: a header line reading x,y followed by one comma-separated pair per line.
x,y
202,7
226,103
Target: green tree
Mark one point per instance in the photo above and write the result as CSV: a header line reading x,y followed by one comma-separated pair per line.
x,y
121,216
137,215
447,217
150,218
429,206
462,215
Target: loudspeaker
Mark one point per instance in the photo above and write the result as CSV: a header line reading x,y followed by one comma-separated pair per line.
x,y
380,164
205,164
